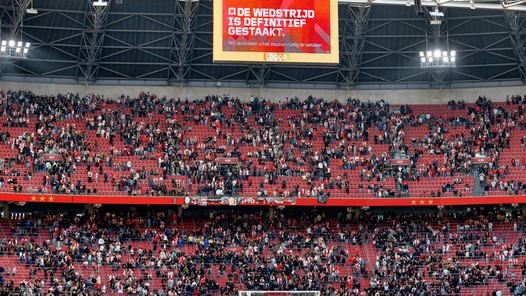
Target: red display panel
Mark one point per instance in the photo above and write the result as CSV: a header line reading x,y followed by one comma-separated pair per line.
x,y
276,31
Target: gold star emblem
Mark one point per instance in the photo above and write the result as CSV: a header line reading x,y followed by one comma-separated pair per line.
x,y
42,198
422,202
430,202
413,202
51,198
33,198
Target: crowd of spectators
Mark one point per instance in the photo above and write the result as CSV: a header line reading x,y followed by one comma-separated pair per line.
x,y
337,254
430,255
121,256
326,143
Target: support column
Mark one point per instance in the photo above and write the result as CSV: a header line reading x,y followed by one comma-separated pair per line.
x,y
6,211
515,23
89,209
348,213
271,212
438,41
15,12
92,41
258,72
352,43
183,35
441,211
357,211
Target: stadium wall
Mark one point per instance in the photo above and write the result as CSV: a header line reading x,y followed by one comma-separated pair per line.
x,y
394,96
414,202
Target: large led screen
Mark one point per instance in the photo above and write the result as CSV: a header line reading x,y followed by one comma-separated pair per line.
x,y
276,31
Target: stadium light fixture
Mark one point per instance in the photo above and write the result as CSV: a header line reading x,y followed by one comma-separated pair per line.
x,y
14,49
100,3
31,10
437,59
436,13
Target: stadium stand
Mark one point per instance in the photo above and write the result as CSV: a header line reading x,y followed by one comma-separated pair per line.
x,y
218,146
263,148
158,146
461,253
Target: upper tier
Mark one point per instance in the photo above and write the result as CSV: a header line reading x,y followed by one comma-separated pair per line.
x,y
156,146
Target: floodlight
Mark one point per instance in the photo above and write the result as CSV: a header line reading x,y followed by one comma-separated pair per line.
x,y
30,9
14,49
437,58
101,3
436,13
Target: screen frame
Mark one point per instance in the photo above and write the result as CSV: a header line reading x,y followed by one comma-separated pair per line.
x,y
250,57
